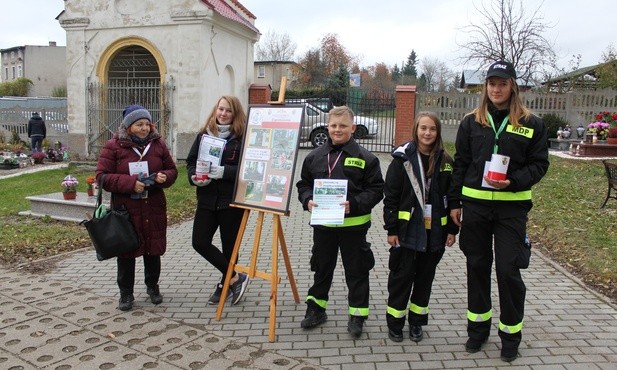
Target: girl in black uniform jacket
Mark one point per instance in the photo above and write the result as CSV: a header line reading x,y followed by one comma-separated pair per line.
x,y
496,210
214,194
416,218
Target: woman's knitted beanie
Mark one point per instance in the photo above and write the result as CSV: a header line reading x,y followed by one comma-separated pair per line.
x,y
134,113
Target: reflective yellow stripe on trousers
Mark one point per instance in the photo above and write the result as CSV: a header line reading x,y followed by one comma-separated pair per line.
x,y
511,329
479,317
398,314
358,311
320,302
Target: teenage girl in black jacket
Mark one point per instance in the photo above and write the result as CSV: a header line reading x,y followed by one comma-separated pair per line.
x,y
214,194
416,216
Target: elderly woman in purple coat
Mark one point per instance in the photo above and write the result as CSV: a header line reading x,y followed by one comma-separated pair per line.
x,y
137,166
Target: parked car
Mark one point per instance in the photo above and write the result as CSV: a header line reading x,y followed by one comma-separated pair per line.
x,y
323,104
315,126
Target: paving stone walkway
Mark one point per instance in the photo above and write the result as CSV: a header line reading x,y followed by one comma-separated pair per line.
x,y
67,317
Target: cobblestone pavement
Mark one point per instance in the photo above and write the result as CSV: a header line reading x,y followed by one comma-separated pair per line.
x,y
67,318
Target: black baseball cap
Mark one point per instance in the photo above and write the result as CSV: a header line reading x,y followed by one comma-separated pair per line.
x,y
501,69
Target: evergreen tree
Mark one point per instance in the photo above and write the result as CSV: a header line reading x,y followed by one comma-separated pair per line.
x,y
409,70
339,79
396,74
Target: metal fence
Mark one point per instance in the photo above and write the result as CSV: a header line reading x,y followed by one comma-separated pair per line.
x,y
15,112
578,107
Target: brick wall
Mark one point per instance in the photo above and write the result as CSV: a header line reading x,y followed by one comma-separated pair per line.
x,y
405,113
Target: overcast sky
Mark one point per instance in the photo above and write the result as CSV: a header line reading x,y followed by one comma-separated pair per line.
x,y
376,31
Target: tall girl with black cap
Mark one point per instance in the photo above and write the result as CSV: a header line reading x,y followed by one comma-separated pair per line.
x,y
492,213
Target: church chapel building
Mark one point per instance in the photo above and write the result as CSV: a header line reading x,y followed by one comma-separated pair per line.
x,y
175,57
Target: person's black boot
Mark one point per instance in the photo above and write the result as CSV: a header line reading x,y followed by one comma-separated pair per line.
x,y
415,333
155,294
126,302
355,324
509,354
313,317
395,335
474,345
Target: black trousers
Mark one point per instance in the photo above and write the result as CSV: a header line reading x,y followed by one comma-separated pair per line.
x,y
205,224
483,225
126,272
357,259
411,273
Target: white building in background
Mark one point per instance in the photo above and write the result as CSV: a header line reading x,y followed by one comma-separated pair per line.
x,y
194,50
45,66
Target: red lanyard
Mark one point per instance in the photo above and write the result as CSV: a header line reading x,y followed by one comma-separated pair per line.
x,y
331,168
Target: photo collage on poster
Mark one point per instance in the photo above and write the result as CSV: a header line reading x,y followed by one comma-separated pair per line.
x,y
269,153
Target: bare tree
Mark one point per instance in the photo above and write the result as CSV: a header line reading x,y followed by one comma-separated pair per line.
x,y
275,46
504,31
436,74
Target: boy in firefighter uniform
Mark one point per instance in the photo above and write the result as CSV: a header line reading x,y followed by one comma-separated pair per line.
x,y
342,158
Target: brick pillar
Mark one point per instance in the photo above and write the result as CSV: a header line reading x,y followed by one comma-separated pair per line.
x,y
405,113
260,93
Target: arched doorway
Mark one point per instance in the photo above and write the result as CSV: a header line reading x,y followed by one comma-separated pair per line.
x,y
130,71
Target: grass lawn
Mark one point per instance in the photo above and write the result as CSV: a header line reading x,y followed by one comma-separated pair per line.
x,y
25,239
566,223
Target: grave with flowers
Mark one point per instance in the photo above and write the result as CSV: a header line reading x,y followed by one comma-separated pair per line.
x,y
597,133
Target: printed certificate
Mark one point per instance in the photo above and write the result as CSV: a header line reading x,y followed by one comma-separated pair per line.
x,y
328,194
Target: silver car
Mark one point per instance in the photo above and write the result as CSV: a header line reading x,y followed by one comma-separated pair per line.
x,y
315,126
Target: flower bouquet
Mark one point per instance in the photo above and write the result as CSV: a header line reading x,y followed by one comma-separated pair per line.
x,y
38,157
607,117
69,187
598,129
91,181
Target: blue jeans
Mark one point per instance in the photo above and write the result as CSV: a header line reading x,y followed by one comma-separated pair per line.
x,y
37,143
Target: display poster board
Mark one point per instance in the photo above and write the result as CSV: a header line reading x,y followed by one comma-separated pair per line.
x,y
268,158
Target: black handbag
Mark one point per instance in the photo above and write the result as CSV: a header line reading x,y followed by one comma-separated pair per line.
x,y
111,231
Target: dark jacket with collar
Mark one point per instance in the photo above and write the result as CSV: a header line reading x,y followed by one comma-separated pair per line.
x,y
36,127
218,194
356,164
404,212
149,215
526,146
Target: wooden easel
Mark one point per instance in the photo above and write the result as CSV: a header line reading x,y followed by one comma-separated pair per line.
x,y
251,270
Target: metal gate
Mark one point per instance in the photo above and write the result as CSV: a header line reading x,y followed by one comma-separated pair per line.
x,y
107,101
376,105
374,110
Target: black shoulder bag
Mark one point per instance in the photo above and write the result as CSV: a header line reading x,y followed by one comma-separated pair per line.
x,y
111,231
